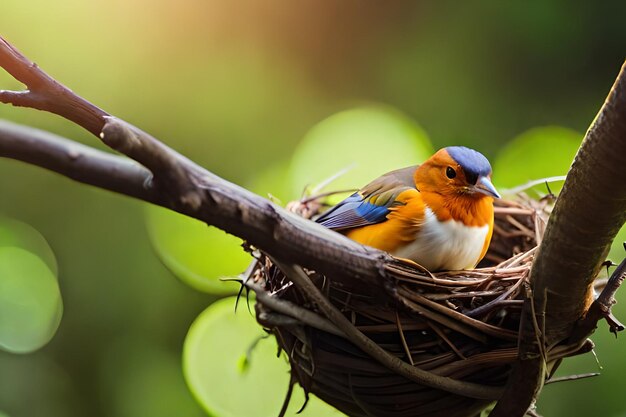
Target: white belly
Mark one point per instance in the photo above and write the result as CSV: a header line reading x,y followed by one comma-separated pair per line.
x,y
448,245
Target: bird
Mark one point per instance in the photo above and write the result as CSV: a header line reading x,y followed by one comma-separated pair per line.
x,y
438,214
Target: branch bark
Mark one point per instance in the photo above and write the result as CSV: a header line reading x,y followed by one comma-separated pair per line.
x,y
76,161
45,93
588,214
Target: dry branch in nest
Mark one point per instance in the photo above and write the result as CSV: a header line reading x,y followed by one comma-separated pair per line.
x,y
460,327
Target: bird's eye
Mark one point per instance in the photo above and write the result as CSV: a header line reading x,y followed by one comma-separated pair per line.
x,y
450,172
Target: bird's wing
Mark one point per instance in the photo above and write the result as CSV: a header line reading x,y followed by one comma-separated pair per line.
x,y
372,203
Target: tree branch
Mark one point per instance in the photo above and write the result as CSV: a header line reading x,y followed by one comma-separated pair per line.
x,y
45,93
588,214
177,183
601,307
78,162
224,204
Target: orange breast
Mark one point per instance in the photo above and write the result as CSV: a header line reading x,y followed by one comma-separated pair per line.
x,y
469,210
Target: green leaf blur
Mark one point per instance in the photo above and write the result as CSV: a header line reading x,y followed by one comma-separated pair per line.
x,y
200,255
231,367
133,371
23,235
535,154
30,301
618,251
273,183
365,142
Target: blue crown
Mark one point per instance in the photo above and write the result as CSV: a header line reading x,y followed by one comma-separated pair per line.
x,y
474,163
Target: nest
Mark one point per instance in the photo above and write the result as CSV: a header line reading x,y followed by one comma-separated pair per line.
x,y
462,325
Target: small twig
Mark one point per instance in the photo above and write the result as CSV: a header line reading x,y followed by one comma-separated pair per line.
x,y
319,187
292,310
487,307
537,320
451,323
518,259
251,347
446,339
499,211
539,229
601,307
45,93
606,299
532,413
325,194
531,184
403,339
523,229
456,317
270,319
568,350
287,400
572,377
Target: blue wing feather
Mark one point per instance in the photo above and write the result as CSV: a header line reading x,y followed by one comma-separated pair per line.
x,y
354,211
359,210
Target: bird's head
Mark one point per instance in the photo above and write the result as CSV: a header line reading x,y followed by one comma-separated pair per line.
x,y
456,171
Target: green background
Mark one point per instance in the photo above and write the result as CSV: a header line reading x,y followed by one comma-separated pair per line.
x,y
275,96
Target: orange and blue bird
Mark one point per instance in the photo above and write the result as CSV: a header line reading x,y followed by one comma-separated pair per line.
x,y
438,214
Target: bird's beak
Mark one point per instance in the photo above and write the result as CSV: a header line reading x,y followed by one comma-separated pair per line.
x,y
484,186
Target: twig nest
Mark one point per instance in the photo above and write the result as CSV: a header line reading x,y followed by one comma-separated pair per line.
x,y
458,324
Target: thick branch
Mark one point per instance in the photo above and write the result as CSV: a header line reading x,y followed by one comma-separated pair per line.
x,y
45,93
78,162
183,186
588,214
224,204
175,174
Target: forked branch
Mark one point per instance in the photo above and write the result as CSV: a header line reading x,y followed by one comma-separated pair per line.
x,y
45,93
168,179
